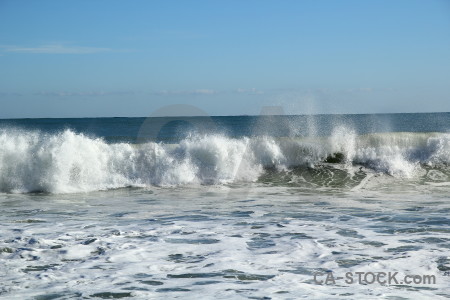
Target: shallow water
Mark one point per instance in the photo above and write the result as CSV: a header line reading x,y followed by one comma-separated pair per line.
x,y
212,241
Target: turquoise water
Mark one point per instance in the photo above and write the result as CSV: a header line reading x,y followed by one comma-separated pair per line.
x,y
224,207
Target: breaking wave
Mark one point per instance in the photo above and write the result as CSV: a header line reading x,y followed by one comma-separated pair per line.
x,y
67,162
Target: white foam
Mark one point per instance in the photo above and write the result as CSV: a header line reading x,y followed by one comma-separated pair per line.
x,y
71,162
285,236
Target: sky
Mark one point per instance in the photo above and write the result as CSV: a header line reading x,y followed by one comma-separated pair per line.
x,y
108,58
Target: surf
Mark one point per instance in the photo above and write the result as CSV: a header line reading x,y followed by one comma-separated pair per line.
x,y
71,162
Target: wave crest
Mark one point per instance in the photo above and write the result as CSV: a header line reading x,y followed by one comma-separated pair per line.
x,y
72,162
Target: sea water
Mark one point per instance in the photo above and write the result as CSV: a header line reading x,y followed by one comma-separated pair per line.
x,y
244,207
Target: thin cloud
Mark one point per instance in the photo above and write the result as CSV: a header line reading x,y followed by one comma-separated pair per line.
x,y
369,90
251,91
8,94
360,90
54,49
187,92
84,94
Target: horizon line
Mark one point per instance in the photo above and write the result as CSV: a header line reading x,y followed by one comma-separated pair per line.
x,y
243,115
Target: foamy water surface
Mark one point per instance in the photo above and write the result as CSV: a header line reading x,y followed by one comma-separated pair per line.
x,y
212,241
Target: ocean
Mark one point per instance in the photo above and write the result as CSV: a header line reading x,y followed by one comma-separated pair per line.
x,y
237,207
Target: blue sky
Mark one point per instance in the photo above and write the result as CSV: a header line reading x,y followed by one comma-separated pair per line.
x,y
128,58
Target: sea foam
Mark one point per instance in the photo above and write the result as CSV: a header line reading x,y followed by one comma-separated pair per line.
x,y
68,162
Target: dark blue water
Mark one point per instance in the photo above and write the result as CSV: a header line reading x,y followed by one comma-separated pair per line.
x,y
169,129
